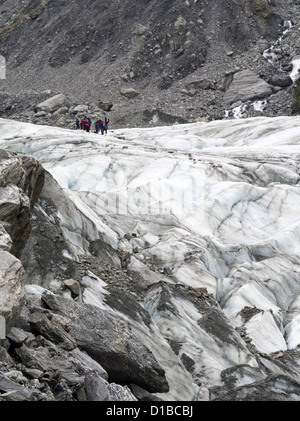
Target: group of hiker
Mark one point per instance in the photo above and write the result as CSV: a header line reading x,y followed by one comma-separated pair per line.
x,y
85,124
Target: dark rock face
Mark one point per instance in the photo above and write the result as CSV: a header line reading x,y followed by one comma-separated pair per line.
x,y
282,81
110,342
52,373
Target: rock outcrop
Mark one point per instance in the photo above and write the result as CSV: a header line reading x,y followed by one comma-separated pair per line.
x,y
21,181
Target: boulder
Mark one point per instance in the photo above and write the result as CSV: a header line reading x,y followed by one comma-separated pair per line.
x,y
81,108
61,111
52,104
140,29
105,106
129,92
13,390
180,23
246,86
73,285
200,84
109,341
282,81
52,330
98,389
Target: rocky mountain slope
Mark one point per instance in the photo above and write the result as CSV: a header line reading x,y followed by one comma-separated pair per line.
x,y
154,62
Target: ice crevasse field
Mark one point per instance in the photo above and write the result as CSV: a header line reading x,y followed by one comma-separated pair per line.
x,y
215,205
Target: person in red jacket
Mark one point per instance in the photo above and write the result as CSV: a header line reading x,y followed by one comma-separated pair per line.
x,y
82,123
87,125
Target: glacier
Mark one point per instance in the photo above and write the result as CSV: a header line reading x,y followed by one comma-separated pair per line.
x,y
208,205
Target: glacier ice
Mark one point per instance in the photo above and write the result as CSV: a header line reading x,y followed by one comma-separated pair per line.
x,y
215,204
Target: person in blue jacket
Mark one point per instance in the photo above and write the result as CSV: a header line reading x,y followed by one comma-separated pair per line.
x,y
105,125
